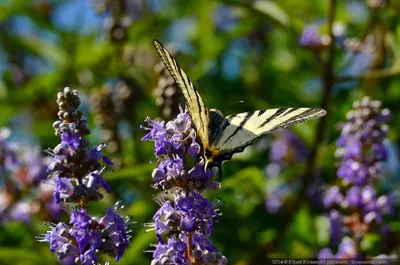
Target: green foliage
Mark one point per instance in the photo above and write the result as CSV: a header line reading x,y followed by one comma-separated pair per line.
x,y
272,71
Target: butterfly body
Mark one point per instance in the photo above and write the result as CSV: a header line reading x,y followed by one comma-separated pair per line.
x,y
222,136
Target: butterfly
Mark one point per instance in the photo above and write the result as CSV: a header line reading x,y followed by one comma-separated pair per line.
x,y
222,136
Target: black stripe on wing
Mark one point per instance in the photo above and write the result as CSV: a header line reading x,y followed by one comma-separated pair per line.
x,y
240,127
273,116
183,81
306,115
229,153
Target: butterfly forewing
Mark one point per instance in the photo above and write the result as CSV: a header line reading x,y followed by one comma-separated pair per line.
x,y
194,103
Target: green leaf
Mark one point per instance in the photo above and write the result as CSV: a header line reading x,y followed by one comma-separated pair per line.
x,y
136,173
250,179
323,227
370,243
135,254
268,236
47,51
303,225
15,255
268,9
245,189
272,10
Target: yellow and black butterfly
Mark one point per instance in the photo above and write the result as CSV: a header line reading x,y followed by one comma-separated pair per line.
x,y
219,136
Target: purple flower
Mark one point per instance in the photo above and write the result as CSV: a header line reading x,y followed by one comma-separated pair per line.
x,y
336,226
76,169
311,38
172,143
204,252
86,238
354,172
362,152
70,140
288,148
359,55
96,155
77,173
333,197
354,197
194,148
22,171
347,249
185,217
325,253
286,151
20,211
64,189
186,214
8,156
276,198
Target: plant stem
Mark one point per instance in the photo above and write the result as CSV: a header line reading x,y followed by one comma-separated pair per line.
x,y
328,81
372,74
189,246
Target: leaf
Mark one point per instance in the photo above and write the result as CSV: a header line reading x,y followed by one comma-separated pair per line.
x,y
139,244
142,207
249,179
323,227
370,243
268,236
245,189
270,10
136,173
49,52
303,225
13,255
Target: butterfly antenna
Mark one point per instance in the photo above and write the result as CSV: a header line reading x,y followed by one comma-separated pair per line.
x,y
240,102
205,95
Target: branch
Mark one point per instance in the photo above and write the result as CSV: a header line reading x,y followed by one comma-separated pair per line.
x,y
372,74
328,81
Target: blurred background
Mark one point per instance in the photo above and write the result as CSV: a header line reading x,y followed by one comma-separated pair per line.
x,y
242,56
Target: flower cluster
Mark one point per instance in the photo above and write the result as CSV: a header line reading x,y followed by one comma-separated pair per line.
x,y
361,145
285,152
85,238
185,219
77,172
76,168
356,207
175,144
311,37
111,105
22,191
359,55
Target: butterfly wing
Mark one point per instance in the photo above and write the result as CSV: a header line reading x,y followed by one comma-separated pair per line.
x,y
195,105
240,130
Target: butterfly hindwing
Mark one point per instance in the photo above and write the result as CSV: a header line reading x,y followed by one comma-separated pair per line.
x,y
194,103
243,129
